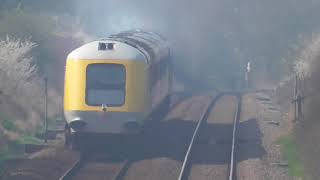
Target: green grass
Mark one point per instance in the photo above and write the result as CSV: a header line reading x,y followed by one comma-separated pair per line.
x,y
11,151
7,123
14,149
290,151
29,140
4,154
3,157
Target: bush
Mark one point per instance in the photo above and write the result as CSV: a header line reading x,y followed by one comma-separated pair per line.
x,y
9,125
17,68
20,81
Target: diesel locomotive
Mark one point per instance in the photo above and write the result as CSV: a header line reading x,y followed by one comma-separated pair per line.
x,y
113,85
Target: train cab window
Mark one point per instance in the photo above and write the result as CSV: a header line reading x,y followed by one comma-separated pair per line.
x,y
105,84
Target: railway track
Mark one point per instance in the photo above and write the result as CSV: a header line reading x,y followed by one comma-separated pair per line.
x,y
120,174
70,173
233,162
186,166
84,161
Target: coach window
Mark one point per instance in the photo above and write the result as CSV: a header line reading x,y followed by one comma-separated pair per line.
x,y
105,85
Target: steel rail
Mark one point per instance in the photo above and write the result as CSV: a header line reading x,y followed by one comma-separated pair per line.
x,y
122,172
184,169
232,170
74,168
71,172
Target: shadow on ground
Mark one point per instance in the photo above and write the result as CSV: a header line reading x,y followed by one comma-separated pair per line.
x,y
170,139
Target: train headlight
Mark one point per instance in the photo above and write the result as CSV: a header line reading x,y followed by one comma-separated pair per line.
x,y
77,123
105,46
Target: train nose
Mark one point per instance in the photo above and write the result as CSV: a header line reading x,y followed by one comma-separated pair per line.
x,y
77,124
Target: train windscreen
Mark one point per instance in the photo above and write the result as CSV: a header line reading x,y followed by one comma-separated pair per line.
x,y
105,84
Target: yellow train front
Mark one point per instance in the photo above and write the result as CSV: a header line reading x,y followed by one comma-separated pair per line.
x,y
113,85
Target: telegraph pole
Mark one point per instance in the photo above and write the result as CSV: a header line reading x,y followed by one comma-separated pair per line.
x,y
45,109
295,98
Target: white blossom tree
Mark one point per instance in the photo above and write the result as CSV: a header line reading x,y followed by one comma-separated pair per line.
x,y
17,67
20,82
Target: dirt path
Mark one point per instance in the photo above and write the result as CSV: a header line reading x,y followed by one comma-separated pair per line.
x,y
48,164
261,126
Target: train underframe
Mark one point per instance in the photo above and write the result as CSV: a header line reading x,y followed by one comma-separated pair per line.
x,y
85,140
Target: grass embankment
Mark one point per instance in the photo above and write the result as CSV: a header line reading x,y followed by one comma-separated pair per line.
x,y
290,151
13,149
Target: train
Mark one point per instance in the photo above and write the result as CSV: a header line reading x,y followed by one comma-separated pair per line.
x,y
113,85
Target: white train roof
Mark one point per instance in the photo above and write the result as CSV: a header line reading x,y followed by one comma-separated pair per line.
x,y
121,51
129,45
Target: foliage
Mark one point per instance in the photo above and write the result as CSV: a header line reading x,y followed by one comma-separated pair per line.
x,y
41,28
9,125
20,84
23,25
32,43
307,60
17,67
61,6
290,151
34,40
32,26
18,72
